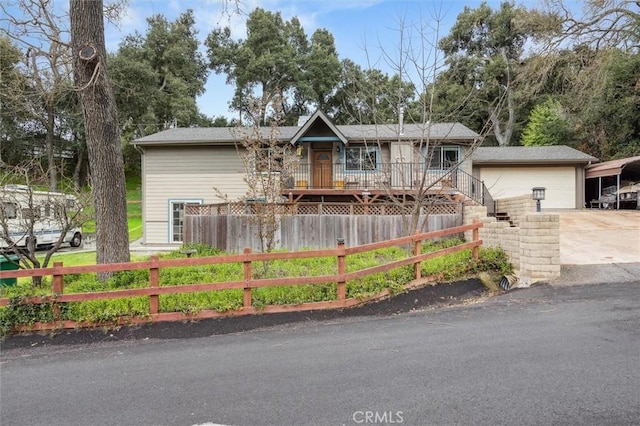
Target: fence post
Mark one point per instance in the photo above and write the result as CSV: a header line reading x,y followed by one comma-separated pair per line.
x,y
476,237
417,248
342,290
154,282
57,288
246,294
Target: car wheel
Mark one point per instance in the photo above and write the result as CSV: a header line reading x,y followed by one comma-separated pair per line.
x,y
76,240
31,243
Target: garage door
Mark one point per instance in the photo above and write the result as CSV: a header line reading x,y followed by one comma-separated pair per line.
x,y
504,182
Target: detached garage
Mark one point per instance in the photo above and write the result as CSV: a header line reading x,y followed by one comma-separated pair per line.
x,y
515,170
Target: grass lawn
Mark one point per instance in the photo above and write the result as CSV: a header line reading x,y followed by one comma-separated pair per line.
x,y
134,221
84,258
134,211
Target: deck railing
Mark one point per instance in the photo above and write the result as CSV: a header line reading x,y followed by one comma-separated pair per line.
x,y
388,176
376,176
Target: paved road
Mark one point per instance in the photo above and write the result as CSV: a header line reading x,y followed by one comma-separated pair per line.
x,y
543,355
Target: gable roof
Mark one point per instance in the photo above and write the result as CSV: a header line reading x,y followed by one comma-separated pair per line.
x,y
454,132
318,115
555,154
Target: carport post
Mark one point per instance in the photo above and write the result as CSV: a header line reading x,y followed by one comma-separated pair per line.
x,y
599,187
618,194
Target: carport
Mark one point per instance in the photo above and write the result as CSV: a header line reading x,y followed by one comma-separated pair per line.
x,y
610,173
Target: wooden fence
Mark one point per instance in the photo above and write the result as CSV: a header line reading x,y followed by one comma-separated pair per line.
x,y
230,231
154,290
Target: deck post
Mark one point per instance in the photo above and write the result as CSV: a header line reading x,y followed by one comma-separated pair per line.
x,y
154,282
342,290
57,287
246,292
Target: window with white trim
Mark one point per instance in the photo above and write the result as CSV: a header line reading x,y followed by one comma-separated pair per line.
x,y
444,157
176,218
361,158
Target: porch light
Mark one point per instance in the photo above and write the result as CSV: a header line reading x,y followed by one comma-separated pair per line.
x,y
538,195
337,148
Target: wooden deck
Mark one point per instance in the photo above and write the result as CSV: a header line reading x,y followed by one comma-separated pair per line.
x,y
365,196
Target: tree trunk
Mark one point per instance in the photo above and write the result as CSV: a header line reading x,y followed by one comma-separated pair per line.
x,y
51,159
106,164
78,181
504,138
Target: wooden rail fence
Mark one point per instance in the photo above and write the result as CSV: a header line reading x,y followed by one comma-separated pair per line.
x,y
154,290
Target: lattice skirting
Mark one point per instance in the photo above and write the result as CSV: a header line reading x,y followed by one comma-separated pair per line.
x,y
350,209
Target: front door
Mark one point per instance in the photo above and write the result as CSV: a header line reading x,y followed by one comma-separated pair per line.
x,y
322,169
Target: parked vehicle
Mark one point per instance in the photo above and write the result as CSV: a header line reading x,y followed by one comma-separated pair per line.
x,y
39,218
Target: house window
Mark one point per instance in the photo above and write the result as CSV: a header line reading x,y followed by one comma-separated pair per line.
x,y
444,157
269,160
361,158
176,218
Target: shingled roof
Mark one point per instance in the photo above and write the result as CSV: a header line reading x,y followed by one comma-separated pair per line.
x,y
384,132
556,154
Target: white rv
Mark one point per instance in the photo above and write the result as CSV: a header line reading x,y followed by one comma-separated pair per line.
x,y
36,217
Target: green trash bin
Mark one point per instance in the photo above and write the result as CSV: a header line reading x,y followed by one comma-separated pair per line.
x,y
8,262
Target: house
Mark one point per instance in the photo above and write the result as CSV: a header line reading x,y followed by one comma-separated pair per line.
x,y
514,171
350,163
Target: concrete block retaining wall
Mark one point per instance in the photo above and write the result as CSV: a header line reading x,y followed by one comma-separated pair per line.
x,y
533,247
516,207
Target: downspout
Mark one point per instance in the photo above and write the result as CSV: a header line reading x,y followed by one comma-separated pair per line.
x,y
143,190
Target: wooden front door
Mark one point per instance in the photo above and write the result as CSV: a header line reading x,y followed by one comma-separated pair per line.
x,y
322,169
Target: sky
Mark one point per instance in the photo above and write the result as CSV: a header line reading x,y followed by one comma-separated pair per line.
x,y
363,29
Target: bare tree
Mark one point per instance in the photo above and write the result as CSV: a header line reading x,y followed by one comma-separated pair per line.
x,y
417,61
599,23
269,164
102,131
39,31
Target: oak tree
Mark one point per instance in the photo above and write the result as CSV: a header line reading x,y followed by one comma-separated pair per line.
x,y
102,130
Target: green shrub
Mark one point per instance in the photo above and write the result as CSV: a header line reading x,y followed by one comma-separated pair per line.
x,y
106,310
493,259
291,295
192,303
16,314
129,279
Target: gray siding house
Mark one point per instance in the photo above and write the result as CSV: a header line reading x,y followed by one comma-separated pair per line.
x,y
337,163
